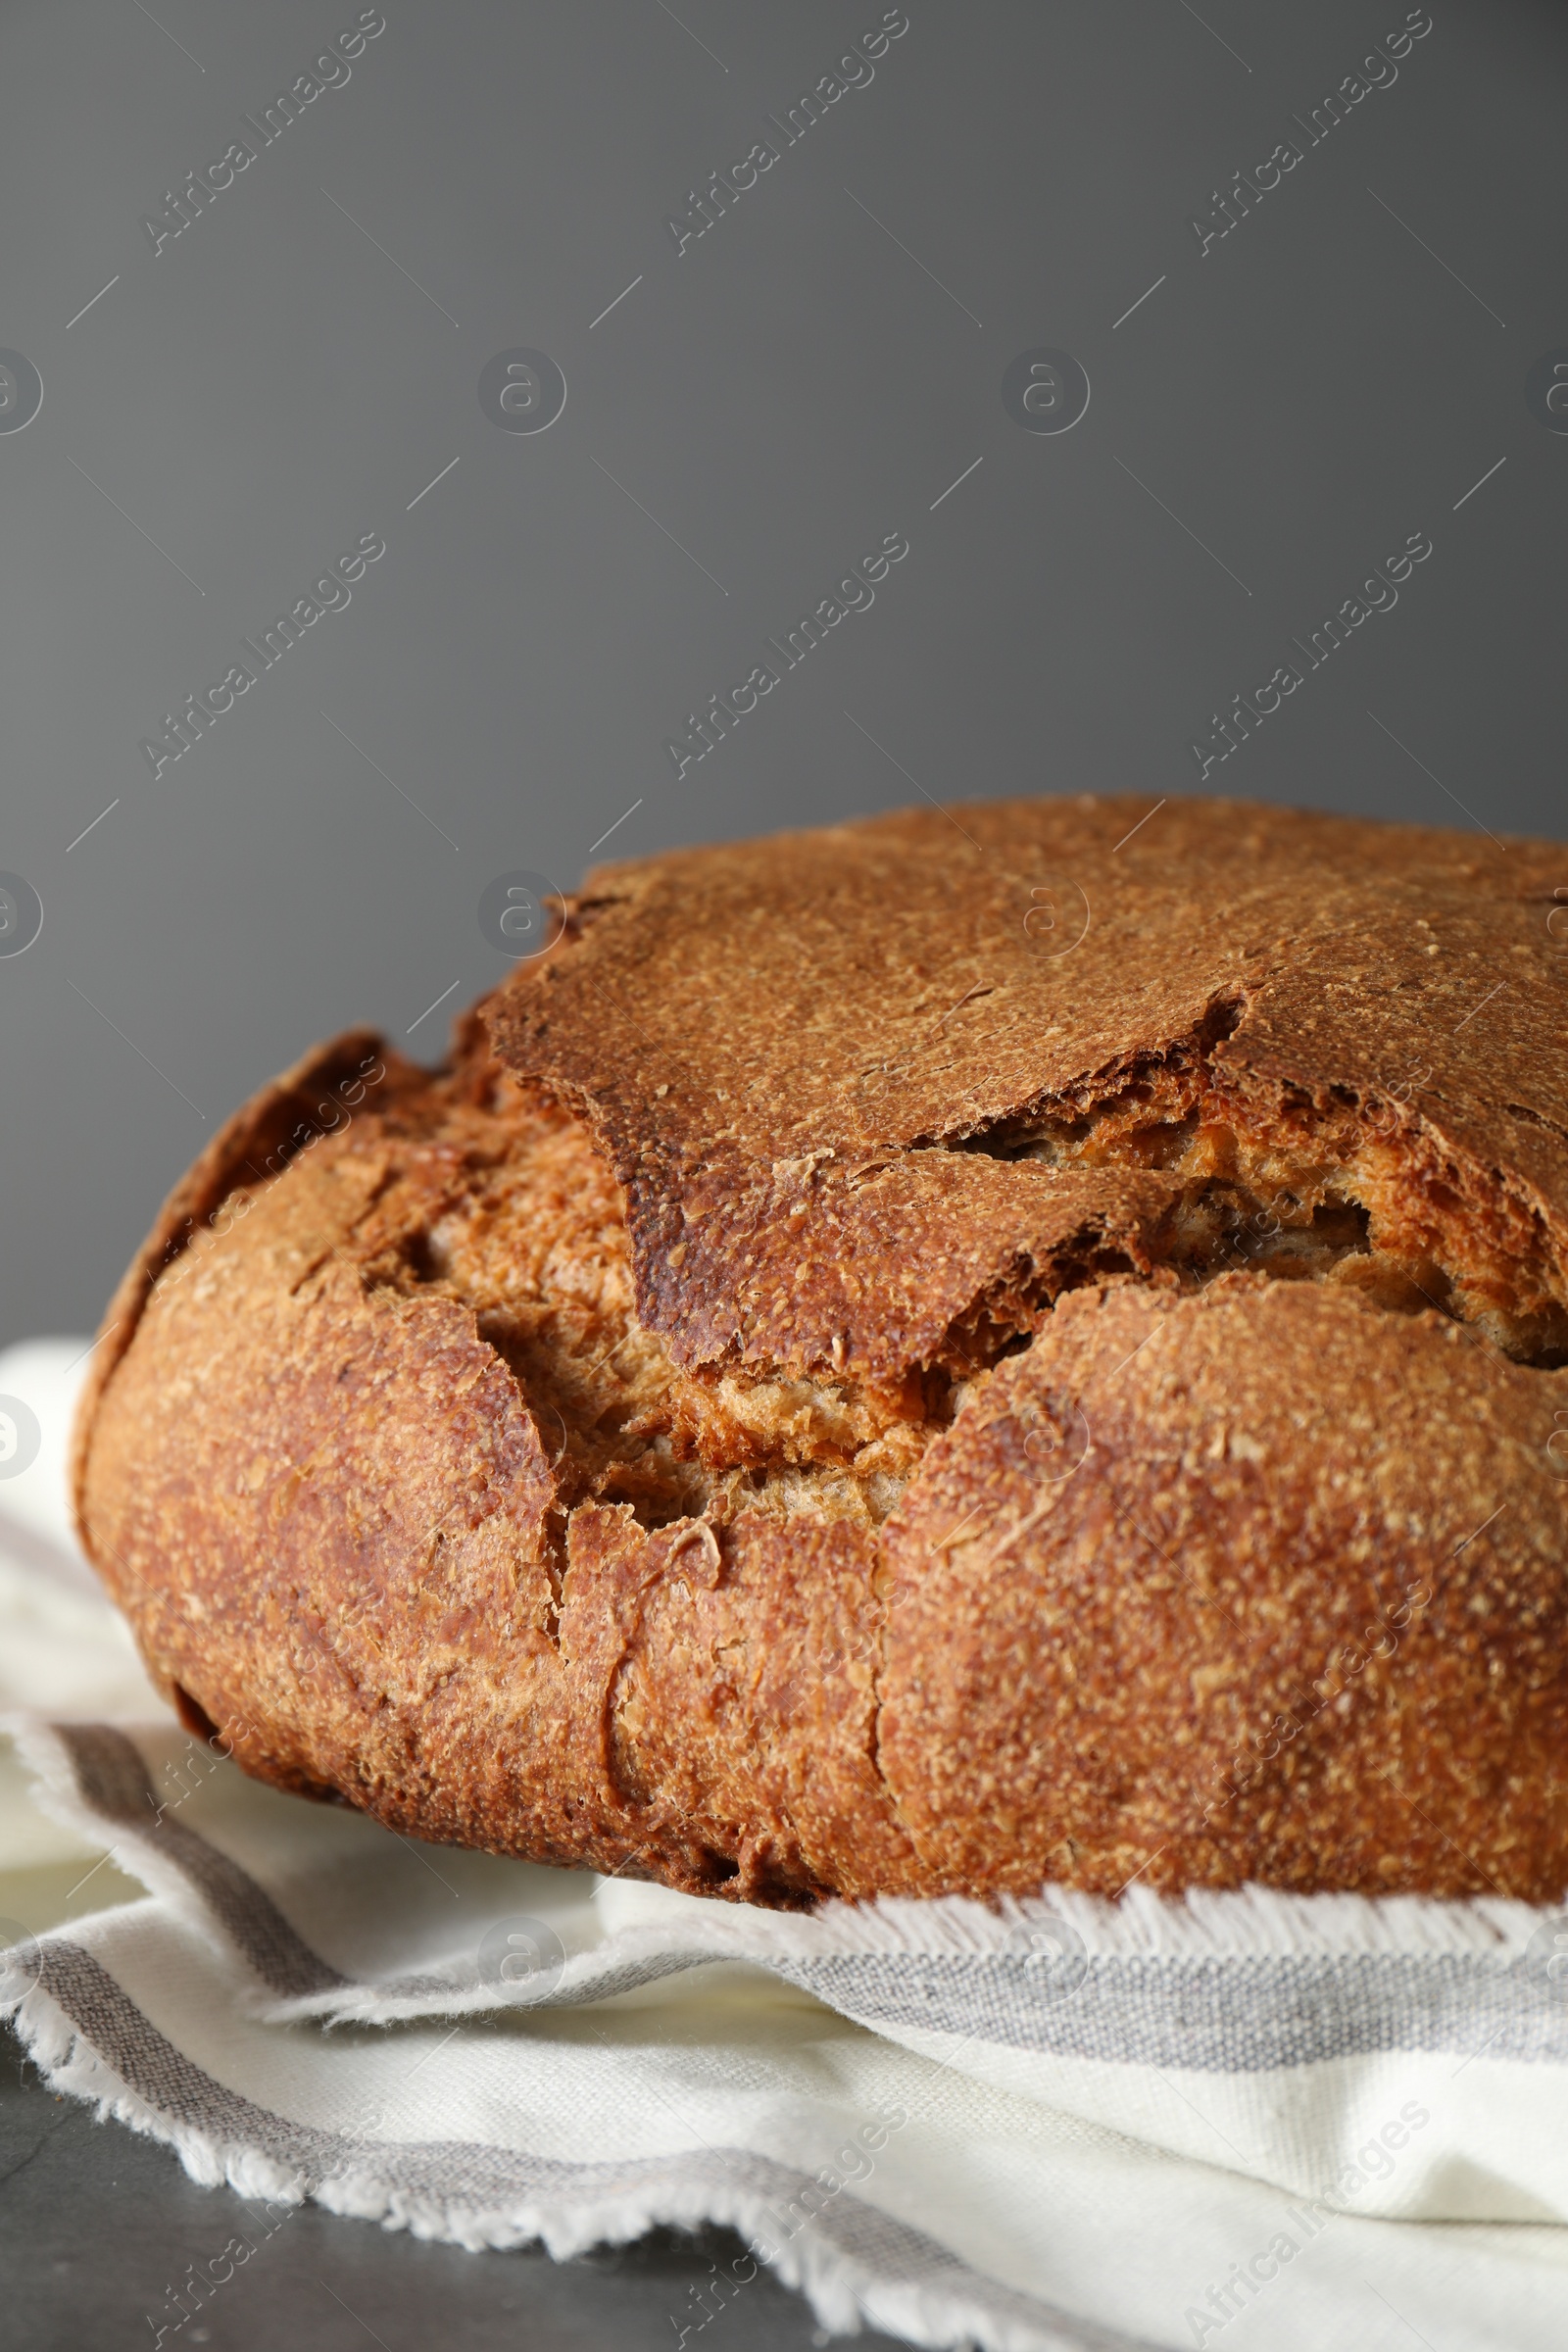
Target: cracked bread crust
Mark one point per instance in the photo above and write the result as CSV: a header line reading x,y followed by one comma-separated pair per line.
x,y
817,1033
822,1396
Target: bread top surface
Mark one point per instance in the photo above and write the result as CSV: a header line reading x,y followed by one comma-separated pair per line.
x,y
871,1110
877,1093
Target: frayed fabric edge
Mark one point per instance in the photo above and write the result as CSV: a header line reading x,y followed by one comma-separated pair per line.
x,y
1249,1921
844,2294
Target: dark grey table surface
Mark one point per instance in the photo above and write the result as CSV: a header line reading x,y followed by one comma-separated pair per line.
x,y
1285,382
99,2225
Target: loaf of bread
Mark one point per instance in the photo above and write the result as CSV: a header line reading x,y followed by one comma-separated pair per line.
x,y
971,1350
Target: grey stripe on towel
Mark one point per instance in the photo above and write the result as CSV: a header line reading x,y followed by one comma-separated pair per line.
x,y
486,2178
1234,2016
114,1781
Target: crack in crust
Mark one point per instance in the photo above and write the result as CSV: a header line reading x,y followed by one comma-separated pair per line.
x,y
832,1079
1306,1184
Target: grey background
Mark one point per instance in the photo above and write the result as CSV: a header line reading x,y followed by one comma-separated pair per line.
x,y
777,398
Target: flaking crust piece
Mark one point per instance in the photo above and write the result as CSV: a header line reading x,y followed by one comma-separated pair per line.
x,y
970,1349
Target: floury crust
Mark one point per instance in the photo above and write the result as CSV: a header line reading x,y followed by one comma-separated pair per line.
x,y
828,1393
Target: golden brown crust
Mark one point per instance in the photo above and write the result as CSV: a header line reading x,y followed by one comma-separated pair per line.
x,y
750,1030
256,1142
1299,1614
861,1403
